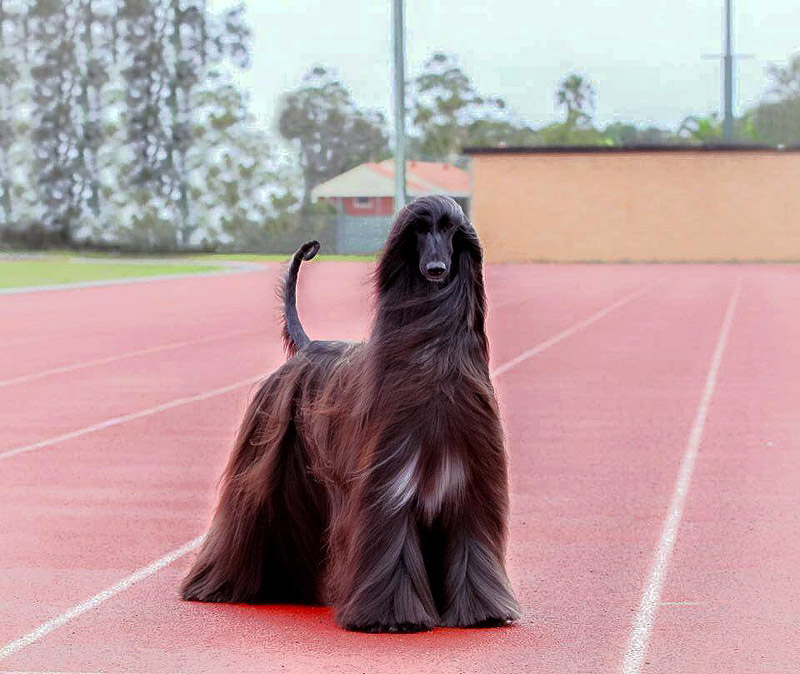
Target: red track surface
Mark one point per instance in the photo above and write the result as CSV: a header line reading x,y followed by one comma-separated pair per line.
x,y
597,420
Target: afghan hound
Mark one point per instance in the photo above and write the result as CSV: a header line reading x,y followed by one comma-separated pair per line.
x,y
372,476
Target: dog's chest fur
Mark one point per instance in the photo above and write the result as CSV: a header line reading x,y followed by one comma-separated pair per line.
x,y
430,478
444,484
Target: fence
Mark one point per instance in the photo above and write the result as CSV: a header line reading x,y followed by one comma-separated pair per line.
x,y
342,235
337,234
361,235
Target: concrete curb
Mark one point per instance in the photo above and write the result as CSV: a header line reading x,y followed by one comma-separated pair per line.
x,y
125,281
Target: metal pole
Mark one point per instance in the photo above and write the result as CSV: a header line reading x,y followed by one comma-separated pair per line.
x,y
727,128
399,104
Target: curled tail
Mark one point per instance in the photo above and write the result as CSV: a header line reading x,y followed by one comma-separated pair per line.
x,y
294,337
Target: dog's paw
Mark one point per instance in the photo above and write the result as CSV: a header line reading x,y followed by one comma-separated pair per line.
x,y
198,592
390,628
500,619
492,622
212,597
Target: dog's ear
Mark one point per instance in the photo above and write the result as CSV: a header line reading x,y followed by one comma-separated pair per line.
x,y
465,240
398,257
468,267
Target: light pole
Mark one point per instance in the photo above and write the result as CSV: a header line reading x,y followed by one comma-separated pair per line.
x,y
398,39
727,60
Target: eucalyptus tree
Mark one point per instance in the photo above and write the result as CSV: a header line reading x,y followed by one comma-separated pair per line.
x,y
62,175
331,132
11,45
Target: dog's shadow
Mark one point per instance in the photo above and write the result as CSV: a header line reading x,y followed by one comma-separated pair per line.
x,y
311,630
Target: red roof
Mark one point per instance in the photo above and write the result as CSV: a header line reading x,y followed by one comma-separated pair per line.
x,y
377,180
445,175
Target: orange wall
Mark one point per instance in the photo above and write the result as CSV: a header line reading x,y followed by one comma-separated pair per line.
x,y
705,205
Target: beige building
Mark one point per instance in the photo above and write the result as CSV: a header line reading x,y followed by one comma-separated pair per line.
x,y
639,204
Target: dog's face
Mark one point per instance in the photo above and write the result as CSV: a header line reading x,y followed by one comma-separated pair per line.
x,y
435,248
430,245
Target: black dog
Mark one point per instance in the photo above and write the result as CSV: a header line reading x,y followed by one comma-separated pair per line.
x,y
372,476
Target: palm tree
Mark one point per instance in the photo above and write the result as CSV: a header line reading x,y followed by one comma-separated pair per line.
x,y
577,95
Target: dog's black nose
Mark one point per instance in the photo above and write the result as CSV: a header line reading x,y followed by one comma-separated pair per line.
x,y
435,269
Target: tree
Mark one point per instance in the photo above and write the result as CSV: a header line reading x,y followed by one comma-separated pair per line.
x,y
701,129
625,133
103,135
21,208
144,30
785,79
10,52
622,133
499,133
331,132
448,113
776,120
242,185
171,48
708,129
198,44
656,136
578,97
57,133
99,51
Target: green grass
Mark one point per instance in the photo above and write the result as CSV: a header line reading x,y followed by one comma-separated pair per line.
x,y
57,269
253,257
197,257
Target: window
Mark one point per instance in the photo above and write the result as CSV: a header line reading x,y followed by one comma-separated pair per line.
x,y
362,202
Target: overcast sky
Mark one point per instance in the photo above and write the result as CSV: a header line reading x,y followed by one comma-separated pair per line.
x,y
645,57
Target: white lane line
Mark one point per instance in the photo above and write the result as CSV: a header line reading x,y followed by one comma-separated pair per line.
x,y
651,594
561,336
121,281
123,356
78,609
682,603
116,421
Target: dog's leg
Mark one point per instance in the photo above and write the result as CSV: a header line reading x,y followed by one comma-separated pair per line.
x,y
476,589
265,543
390,591
386,586
229,565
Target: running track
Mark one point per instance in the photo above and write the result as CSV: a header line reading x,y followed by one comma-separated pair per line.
x,y
653,423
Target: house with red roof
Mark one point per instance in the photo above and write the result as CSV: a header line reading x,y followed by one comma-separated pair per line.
x,y
364,198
